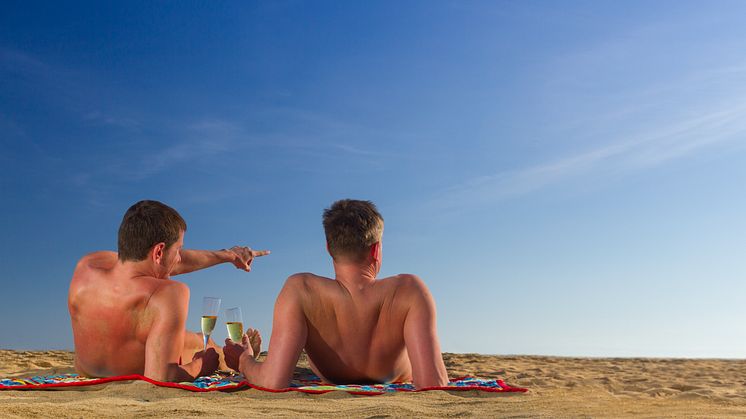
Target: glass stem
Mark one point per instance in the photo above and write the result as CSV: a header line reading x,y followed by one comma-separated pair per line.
x,y
205,338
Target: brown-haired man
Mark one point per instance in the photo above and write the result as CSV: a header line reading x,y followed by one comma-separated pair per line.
x,y
128,316
355,328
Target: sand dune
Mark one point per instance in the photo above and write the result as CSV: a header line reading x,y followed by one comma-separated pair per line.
x,y
564,387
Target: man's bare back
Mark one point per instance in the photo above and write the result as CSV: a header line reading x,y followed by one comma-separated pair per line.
x,y
355,328
128,316
356,334
112,316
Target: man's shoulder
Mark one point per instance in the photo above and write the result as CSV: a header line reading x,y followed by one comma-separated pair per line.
x,y
410,281
409,286
94,260
90,269
305,285
306,279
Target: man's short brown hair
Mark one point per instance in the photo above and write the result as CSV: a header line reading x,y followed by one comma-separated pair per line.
x,y
351,227
146,224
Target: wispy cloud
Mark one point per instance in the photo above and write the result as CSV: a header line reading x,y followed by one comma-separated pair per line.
x,y
303,136
627,103
13,60
316,142
201,143
81,95
721,126
306,143
98,117
357,151
197,141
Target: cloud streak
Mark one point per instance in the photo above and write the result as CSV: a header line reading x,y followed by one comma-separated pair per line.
x,y
675,140
634,108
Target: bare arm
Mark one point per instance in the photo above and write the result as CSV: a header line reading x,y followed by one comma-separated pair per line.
x,y
168,308
421,339
289,332
194,260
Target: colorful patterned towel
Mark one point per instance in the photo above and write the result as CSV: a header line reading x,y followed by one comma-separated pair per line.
x,y
227,382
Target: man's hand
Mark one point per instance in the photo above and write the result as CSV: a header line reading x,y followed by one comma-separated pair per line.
x,y
210,361
233,351
251,345
243,256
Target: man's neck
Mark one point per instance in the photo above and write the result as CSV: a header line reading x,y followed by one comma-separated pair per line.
x,y
136,269
354,276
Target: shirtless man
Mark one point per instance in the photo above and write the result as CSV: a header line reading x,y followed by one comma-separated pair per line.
x,y
355,328
128,316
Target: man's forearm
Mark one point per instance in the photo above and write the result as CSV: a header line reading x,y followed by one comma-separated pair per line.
x,y
255,373
194,260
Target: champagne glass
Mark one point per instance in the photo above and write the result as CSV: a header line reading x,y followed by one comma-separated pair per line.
x,y
234,323
210,307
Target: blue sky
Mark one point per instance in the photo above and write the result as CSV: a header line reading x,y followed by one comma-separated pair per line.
x,y
566,177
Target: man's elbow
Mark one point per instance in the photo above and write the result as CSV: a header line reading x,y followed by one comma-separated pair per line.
x,y
438,381
272,383
277,384
174,374
166,376
161,377
435,376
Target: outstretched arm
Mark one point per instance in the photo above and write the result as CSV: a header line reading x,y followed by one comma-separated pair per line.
x,y
168,309
421,339
289,332
194,260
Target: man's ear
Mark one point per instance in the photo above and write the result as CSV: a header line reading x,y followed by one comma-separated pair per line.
x,y
375,251
157,252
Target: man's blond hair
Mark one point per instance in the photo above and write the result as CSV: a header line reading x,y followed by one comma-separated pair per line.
x,y
351,227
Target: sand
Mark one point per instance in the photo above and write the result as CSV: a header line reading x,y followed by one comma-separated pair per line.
x,y
559,387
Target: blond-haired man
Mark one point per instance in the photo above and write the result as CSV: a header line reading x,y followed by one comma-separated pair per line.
x,y
355,328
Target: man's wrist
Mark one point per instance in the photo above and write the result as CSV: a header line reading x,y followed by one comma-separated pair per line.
x,y
226,255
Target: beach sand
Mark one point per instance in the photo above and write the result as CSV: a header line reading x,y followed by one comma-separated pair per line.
x,y
559,387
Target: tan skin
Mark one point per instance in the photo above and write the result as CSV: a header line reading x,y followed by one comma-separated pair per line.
x,y
355,329
130,317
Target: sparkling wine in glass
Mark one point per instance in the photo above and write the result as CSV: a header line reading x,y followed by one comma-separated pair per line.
x,y
210,308
234,323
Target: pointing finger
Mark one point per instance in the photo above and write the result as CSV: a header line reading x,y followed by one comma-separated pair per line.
x,y
257,253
